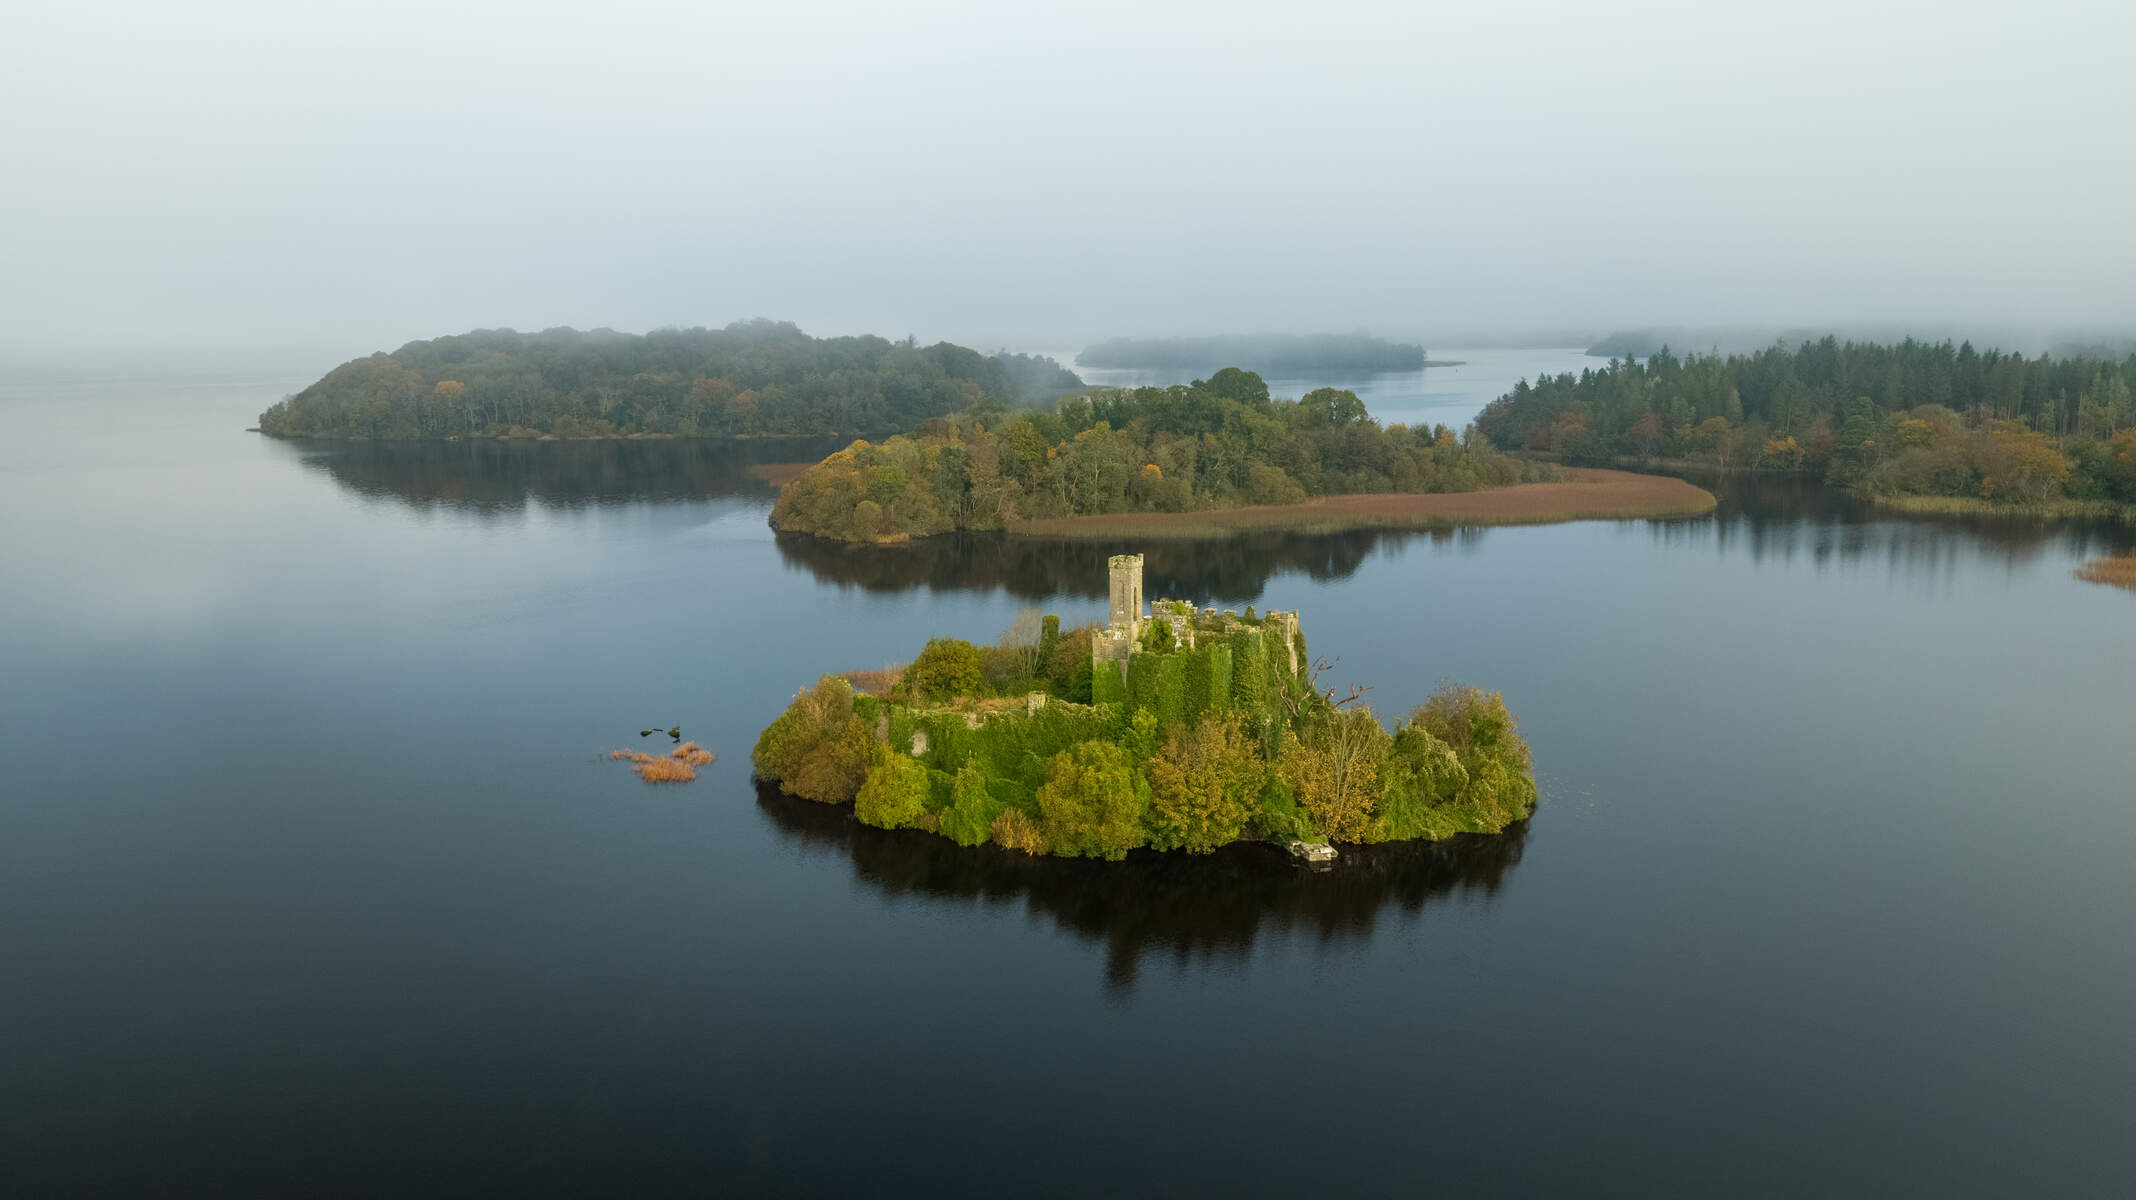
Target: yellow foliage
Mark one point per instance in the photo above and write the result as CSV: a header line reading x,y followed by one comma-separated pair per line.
x,y
1336,773
1014,831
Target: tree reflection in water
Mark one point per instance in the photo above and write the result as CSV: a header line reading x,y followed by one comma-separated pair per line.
x,y
1225,570
1194,908
1777,516
498,478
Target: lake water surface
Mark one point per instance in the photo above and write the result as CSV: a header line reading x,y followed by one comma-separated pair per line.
x,y
1449,395
314,878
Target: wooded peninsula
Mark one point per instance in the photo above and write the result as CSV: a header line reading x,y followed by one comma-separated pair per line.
x,y
1927,426
1174,727
750,379
1215,444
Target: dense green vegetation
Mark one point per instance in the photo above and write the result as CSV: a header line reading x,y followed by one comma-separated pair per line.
x,y
1915,419
1275,354
1219,442
753,378
1030,745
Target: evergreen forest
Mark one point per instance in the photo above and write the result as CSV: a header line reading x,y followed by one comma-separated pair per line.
x,y
1911,420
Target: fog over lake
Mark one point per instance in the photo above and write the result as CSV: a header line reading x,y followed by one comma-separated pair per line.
x,y
240,183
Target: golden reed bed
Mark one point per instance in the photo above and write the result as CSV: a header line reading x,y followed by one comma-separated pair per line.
x,y
1588,494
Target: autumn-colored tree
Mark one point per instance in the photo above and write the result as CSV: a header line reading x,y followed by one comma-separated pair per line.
x,y
1646,433
1204,786
1334,770
1781,454
1092,802
1015,830
2019,465
817,748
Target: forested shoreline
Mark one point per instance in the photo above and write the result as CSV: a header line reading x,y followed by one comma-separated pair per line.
x,y
1221,442
1926,424
749,379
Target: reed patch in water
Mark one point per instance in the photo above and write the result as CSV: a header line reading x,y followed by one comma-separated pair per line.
x,y
1586,494
2115,572
676,766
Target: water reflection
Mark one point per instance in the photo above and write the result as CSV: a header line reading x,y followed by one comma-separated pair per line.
x,y
1781,517
1193,909
491,477
1786,517
1232,570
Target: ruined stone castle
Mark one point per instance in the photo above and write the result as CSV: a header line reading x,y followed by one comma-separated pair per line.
x,y
1122,635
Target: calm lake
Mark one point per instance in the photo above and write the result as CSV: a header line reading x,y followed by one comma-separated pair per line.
x,y
315,878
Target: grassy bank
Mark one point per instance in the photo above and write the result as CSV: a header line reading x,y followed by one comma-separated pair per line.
x,y
1587,494
1973,506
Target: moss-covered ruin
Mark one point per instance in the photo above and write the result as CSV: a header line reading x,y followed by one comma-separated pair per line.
x,y
1183,728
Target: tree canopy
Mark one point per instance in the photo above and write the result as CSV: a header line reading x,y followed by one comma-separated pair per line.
x,y
1221,442
750,378
1915,418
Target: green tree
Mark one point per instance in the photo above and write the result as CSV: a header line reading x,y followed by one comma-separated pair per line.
x,y
1092,802
946,667
1204,786
969,819
895,793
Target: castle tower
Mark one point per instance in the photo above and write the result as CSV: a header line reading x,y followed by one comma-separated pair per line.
x,y
1126,595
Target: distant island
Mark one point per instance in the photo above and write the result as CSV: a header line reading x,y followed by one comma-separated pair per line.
x,y
1177,455
1269,353
1171,726
750,379
1930,427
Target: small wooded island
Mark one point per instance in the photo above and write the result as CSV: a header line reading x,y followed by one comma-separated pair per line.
x,y
750,379
1175,727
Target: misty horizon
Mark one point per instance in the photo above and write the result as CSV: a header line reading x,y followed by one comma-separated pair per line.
x,y
241,184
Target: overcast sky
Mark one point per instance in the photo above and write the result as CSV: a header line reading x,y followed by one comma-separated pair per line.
x,y
342,177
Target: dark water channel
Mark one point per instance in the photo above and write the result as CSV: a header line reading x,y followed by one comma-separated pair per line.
x,y
314,878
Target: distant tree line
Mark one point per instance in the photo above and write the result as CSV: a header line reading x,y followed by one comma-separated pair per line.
x,y
1273,354
751,378
1914,419
1215,443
